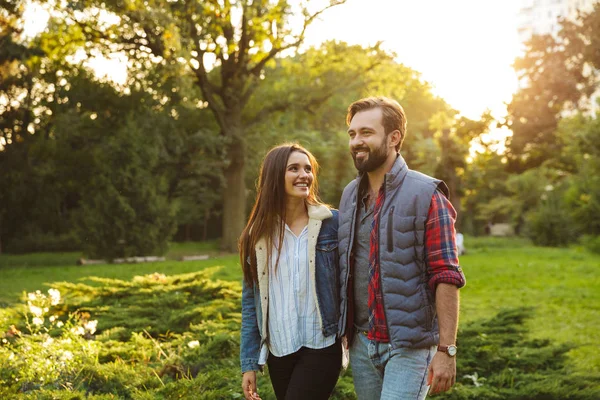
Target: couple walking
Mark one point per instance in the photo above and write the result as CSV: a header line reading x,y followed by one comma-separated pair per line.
x,y
379,277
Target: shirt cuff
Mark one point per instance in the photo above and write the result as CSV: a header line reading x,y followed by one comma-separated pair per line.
x,y
250,364
456,278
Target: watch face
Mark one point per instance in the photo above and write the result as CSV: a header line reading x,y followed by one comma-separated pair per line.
x,y
452,351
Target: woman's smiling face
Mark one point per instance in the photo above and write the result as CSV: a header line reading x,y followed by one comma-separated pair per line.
x,y
298,175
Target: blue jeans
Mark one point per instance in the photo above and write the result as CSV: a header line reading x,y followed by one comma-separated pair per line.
x,y
382,374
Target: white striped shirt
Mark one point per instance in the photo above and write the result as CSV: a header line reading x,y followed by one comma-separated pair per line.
x,y
294,321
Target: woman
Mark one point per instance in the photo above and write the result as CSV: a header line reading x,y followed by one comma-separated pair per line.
x,y
290,298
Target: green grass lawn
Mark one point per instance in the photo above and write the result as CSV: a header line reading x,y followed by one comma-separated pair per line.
x,y
561,285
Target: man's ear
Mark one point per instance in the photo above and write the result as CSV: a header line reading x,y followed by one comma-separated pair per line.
x,y
394,138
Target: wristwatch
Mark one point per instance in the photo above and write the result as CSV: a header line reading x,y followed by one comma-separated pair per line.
x,y
450,349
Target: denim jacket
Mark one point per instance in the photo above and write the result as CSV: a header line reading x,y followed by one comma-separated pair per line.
x,y
324,269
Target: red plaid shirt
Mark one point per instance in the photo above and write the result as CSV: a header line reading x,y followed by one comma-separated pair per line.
x,y
377,325
441,257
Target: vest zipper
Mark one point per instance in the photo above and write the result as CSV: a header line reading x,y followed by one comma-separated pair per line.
x,y
349,262
387,324
390,230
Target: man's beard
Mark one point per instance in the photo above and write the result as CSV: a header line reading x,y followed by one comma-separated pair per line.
x,y
374,160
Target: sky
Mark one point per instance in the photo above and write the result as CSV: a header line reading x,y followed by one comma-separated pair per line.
x,y
463,48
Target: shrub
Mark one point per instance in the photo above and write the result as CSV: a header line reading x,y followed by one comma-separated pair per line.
x,y
550,224
125,210
591,242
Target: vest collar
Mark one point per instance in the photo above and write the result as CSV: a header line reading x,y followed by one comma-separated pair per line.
x,y
396,175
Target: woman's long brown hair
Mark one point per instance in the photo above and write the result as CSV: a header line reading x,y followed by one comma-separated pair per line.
x,y
267,218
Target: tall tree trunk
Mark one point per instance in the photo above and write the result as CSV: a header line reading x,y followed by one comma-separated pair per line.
x,y
234,195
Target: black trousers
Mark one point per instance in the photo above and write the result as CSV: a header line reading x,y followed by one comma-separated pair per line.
x,y
307,373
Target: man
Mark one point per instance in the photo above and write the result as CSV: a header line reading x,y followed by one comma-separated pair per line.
x,y
399,265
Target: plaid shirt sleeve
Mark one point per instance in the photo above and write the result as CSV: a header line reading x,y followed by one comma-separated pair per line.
x,y
440,244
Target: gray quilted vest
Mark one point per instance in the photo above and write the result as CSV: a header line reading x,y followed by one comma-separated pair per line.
x,y
408,302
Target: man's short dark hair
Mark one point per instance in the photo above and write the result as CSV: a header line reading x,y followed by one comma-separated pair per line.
x,y
393,114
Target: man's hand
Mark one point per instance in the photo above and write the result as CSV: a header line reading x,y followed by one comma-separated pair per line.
x,y
442,373
249,385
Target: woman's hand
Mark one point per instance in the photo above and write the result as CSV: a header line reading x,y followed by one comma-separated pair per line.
x,y
249,385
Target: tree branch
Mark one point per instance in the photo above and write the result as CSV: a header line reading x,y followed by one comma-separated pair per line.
x,y
244,39
298,40
209,90
309,103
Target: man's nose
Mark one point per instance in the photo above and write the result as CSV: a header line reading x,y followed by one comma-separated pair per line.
x,y
355,141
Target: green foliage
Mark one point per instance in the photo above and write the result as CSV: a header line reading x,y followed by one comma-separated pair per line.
x,y
125,211
582,155
592,243
555,77
485,192
550,224
177,328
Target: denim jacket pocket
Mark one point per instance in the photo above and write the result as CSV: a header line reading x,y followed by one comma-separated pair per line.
x,y
327,246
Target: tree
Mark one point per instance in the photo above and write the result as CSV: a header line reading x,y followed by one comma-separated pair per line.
x,y
556,73
484,182
225,45
16,80
454,136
